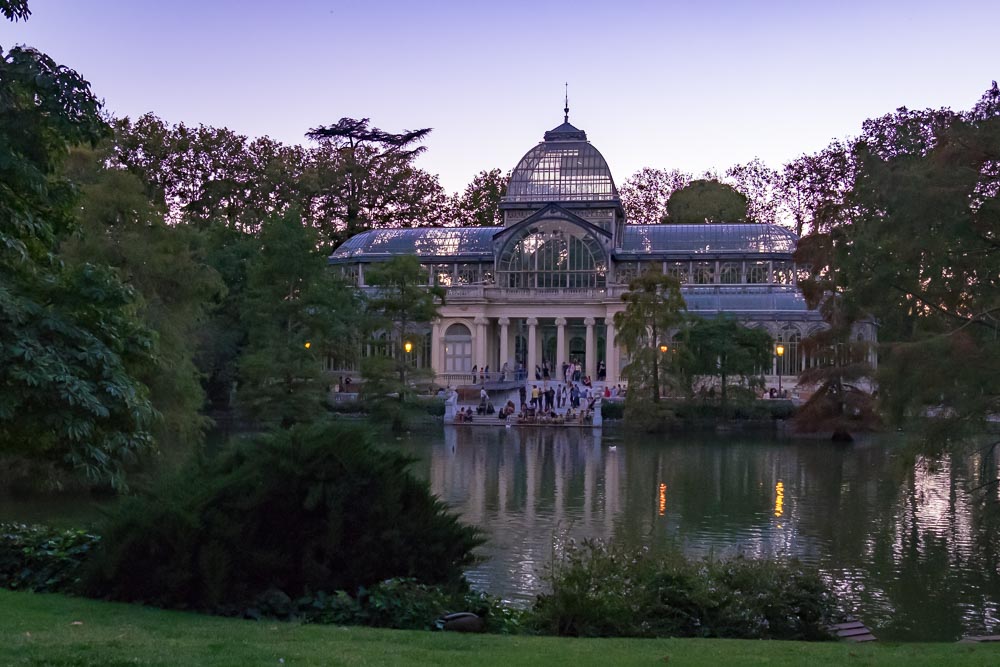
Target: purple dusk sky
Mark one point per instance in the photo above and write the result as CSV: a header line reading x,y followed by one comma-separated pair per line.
x,y
691,85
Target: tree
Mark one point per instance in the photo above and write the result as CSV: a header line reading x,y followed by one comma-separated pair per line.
x,y
368,179
212,176
15,10
813,187
479,204
68,335
175,290
761,186
316,508
400,304
723,347
295,313
704,201
922,255
645,194
653,306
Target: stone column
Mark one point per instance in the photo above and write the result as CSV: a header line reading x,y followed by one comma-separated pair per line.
x,y
505,344
436,347
480,357
611,352
560,348
532,361
591,355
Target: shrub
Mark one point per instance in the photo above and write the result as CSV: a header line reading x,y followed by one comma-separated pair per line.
x,y
315,508
612,409
602,591
41,559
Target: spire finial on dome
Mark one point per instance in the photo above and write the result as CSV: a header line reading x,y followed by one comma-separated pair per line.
x,y
566,108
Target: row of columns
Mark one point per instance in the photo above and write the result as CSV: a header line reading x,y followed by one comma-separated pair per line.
x,y
480,350
590,346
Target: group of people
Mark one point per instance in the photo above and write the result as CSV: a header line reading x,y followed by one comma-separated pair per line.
x,y
553,397
531,416
571,371
343,385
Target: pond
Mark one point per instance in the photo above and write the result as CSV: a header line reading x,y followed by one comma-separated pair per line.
x,y
908,545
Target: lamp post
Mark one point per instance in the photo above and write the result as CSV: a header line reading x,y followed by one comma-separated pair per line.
x,y
779,350
408,347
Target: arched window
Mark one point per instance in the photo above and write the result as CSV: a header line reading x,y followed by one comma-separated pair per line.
x,y
729,273
558,255
457,349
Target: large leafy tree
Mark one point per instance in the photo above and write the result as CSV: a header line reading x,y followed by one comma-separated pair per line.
x,y
479,204
923,253
68,335
653,307
400,305
212,176
761,185
296,313
724,348
646,192
812,188
914,243
368,180
706,200
119,227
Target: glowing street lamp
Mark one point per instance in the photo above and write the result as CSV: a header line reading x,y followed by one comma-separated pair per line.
x,y
408,347
663,349
307,344
779,350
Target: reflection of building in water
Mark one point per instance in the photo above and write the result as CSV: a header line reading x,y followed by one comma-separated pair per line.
x,y
900,544
528,487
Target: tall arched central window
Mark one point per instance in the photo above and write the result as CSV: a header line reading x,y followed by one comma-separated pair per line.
x,y
556,255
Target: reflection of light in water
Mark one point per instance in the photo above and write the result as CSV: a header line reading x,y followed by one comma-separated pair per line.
x,y
779,499
663,498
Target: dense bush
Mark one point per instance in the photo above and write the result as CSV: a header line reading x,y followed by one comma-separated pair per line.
x,y
316,508
432,406
612,409
42,559
601,591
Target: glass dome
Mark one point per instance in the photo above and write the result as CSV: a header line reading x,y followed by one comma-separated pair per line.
x,y
564,167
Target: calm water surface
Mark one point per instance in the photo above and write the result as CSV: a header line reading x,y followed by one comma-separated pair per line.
x,y
912,549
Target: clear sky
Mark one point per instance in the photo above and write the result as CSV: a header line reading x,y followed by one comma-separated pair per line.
x,y
686,84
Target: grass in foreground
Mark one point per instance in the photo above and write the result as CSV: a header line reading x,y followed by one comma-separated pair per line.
x,y
40,629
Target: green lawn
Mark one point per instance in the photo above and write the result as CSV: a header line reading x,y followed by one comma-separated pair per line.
x,y
54,630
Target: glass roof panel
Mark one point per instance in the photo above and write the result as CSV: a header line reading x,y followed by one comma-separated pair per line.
x,y
561,171
707,239
743,299
451,242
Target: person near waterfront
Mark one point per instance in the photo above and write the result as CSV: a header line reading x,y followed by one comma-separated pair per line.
x,y
602,372
504,370
534,396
